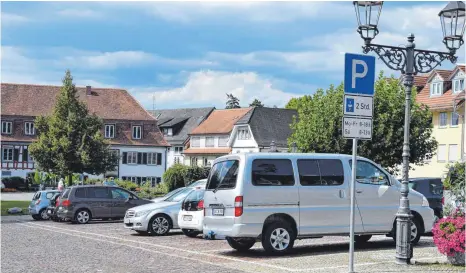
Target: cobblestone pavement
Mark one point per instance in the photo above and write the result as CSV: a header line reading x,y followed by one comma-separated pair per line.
x,y
45,246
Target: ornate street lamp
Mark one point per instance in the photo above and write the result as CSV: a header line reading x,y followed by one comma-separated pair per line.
x,y
409,61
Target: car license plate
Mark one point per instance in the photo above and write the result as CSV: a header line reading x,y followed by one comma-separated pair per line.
x,y
188,218
217,212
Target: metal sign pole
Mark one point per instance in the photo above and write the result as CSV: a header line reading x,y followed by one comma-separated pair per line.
x,y
352,189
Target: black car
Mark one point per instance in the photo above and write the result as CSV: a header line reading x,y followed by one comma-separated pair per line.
x,y
52,208
432,189
80,204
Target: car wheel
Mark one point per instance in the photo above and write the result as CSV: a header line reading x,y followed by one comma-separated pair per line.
x,y
361,239
278,238
35,217
241,244
43,214
82,216
159,225
190,232
415,231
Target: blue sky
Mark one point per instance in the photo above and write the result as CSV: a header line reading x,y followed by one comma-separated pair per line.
x,y
190,54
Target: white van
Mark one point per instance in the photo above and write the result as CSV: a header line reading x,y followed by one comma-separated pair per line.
x,y
276,198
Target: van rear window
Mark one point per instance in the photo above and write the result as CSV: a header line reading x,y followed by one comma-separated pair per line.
x,y
223,175
272,172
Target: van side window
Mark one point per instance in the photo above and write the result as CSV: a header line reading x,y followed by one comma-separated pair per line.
x,y
98,193
80,193
320,172
272,172
367,173
223,175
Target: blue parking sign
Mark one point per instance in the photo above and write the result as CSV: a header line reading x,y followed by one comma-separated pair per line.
x,y
359,74
349,105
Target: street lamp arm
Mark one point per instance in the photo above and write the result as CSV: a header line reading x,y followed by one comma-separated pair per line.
x,y
425,60
394,57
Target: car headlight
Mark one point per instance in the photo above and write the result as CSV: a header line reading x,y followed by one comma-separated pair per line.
x,y
142,213
425,202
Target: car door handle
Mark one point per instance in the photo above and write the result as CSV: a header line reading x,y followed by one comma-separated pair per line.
x,y
359,191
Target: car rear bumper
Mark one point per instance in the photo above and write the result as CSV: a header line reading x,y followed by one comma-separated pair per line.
x,y
64,214
215,228
196,222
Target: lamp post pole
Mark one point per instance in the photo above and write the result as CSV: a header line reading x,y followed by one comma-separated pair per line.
x,y
409,61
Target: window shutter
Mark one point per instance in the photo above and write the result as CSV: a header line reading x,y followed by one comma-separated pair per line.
x,y
138,180
158,180
25,154
159,159
139,158
144,158
125,157
16,155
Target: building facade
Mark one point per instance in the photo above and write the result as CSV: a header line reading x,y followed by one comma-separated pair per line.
x,y
443,92
176,124
209,140
131,131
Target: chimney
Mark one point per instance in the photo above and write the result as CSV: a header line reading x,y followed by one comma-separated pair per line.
x,y
88,90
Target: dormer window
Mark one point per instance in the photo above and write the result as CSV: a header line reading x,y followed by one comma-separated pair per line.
x,y
458,85
29,129
436,88
167,131
137,132
243,134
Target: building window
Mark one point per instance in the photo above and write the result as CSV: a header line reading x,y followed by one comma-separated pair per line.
x,y
452,152
178,150
442,153
29,128
222,141
195,142
7,154
209,142
193,161
243,134
137,132
458,85
436,88
151,158
109,131
167,131
132,158
177,160
443,120
454,119
7,127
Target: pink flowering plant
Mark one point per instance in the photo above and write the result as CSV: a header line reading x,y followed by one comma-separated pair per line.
x,y
449,233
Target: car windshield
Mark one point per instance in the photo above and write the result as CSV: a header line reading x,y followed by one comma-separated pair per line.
x,y
198,183
179,195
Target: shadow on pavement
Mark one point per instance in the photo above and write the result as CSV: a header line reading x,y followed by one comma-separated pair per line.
x,y
324,249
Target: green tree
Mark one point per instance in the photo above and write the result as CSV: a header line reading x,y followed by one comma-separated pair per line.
x,y
256,103
232,102
69,140
319,128
455,180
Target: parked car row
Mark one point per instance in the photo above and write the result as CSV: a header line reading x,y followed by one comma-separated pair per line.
x,y
272,198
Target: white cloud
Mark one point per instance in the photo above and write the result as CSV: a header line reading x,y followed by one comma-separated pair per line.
x,y
210,88
9,19
80,13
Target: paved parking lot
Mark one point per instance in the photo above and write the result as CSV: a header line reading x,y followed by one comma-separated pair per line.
x,y
45,246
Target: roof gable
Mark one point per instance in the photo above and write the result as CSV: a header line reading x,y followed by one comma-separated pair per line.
x,y
459,70
439,75
37,100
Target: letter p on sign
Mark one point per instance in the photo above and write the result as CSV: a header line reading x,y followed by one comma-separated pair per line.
x,y
359,74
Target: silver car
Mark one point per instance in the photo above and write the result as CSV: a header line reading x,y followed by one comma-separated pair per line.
x,y
198,183
157,218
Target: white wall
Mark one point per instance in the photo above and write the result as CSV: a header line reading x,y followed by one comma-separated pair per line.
x,y
171,155
139,169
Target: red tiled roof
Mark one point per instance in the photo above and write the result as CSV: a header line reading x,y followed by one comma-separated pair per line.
x,y
36,100
220,121
420,80
213,151
23,102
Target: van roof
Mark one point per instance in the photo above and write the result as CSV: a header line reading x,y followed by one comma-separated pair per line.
x,y
286,156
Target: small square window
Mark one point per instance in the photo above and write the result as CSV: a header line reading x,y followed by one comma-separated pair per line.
x,y
195,142
443,120
454,119
7,154
137,132
29,128
7,127
442,153
209,142
132,158
109,131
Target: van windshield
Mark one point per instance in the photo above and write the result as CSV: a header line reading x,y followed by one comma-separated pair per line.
x,y
223,175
